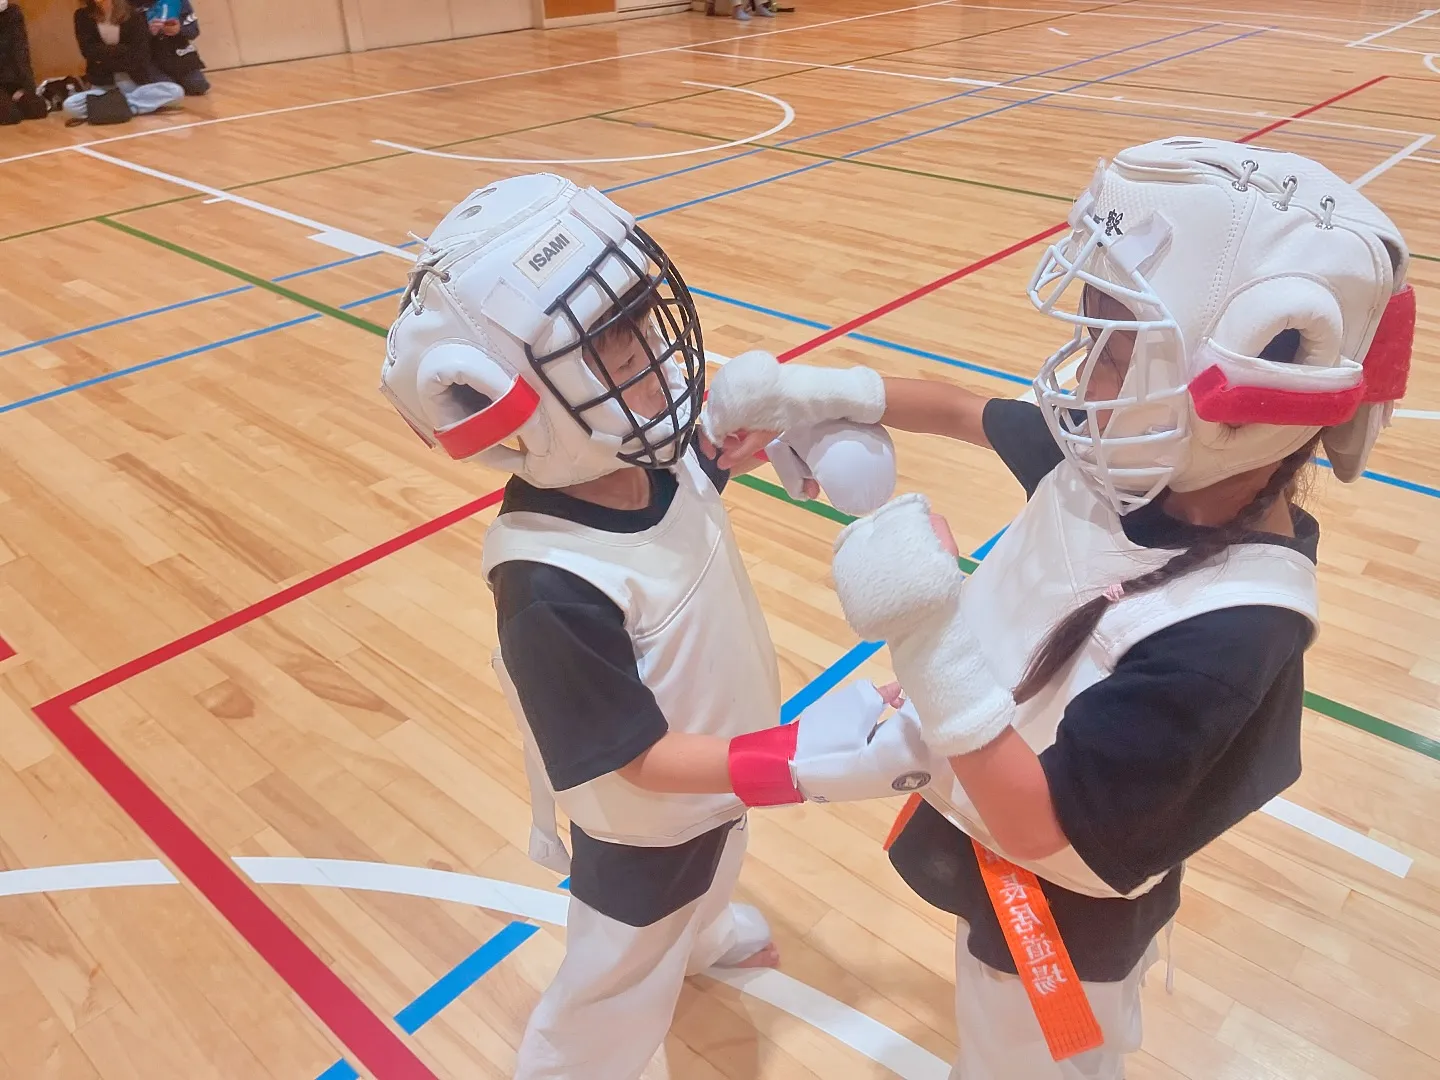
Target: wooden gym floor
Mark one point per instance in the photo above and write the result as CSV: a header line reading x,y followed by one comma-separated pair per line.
x,y
259,794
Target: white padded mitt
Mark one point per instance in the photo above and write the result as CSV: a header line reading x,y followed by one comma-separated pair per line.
x,y
854,464
755,392
897,583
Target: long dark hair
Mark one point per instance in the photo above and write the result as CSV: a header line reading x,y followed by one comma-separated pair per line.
x,y
1065,640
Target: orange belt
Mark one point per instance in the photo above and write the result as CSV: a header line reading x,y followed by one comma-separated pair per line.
x,y
1066,1019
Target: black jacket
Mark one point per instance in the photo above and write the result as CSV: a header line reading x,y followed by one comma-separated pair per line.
x,y
175,56
131,55
15,70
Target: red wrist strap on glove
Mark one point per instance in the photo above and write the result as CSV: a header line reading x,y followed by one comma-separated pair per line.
x,y
760,766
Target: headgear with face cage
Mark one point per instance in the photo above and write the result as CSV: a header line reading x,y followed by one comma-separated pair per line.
x,y
1214,250
500,335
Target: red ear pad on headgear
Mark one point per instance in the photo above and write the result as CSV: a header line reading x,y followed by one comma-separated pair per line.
x,y
1387,364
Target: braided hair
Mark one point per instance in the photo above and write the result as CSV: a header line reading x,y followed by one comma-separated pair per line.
x,y
1066,638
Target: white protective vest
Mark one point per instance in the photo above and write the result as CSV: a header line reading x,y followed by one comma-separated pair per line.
x,y
1063,549
701,646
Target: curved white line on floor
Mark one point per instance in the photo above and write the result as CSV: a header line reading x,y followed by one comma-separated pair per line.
x,y
861,1033
100,875
1430,62
518,900
789,118
838,1020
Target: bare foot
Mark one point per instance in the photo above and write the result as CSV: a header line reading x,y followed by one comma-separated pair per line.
x,y
768,957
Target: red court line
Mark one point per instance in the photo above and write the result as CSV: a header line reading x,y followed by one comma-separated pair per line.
x,y
355,1024
1312,109
6,650
910,297
1020,245
362,1031
236,619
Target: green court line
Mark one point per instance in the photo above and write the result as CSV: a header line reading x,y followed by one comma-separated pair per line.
x,y
603,115
863,163
1345,714
1179,90
824,510
1334,710
97,217
1427,258
1400,736
253,279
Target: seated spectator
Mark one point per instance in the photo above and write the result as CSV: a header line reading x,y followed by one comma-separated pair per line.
x,y
114,38
18,99
173,30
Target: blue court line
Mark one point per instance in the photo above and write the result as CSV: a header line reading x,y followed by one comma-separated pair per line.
x,y
42,342
944,127
1052,93
909,350
489,955
1393,481
71,388
832,676
120,373
449,987
980,369
1233,124
907,109
678,172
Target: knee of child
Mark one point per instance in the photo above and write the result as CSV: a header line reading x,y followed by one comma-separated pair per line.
x,y
74,105
196,85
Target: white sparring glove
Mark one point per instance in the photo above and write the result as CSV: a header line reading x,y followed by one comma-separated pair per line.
x,y
755,392
854,464
898,584
834,752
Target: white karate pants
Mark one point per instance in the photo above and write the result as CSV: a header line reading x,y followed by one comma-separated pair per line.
x,y
1000,1039
610,1006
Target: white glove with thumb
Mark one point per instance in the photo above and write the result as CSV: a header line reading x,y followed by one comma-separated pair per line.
x,y
755,392
896,583
854,464
841,755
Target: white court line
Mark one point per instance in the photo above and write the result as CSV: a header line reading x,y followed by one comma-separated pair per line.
x,y
1062,33
848,67
838,1020
811,1006
1391,29
343,236
472,82
103,875
1430,62
1104,98
1192,21
519,900
1231,11
786,120
1337,835
1393,160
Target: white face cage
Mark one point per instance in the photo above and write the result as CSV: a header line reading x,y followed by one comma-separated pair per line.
x,y
1128,446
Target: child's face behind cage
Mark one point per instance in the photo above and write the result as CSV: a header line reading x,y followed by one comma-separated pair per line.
x,y
625,352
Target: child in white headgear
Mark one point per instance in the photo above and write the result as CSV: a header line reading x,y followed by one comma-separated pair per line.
x,y
1121,680
545,334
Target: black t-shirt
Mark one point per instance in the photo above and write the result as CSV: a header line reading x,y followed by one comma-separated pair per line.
x,y
573,665
1197,727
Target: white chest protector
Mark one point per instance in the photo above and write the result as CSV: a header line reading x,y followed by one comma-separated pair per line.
x,y
701,646
1063,549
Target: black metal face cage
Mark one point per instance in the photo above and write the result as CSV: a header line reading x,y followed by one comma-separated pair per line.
x,y
659,307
